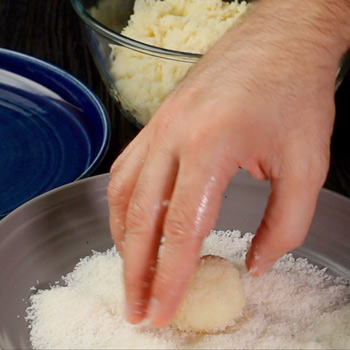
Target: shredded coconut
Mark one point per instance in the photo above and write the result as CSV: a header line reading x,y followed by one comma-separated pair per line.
x,y
143,81
295,306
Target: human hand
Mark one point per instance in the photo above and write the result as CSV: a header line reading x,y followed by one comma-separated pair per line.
x,y
260,99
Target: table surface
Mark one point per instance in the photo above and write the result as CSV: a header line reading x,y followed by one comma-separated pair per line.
x,y
50,30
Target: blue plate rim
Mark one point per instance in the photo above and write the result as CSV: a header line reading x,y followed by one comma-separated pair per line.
x,y
55,71
4,52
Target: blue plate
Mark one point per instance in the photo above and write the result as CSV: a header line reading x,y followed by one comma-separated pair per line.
x,y
53,129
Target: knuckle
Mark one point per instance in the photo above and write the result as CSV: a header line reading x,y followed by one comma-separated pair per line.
x,y
308,172
309,163
198,137
137,218
164,130
116,164
311,176
320,168
116,192
179,225
200,134
165,121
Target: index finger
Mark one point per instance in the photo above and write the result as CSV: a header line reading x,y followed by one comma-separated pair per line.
x,y
191,215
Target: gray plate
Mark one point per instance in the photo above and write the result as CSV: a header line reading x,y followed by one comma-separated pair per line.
x,y
44,239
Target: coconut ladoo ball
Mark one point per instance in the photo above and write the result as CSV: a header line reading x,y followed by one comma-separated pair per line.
x,y
214,298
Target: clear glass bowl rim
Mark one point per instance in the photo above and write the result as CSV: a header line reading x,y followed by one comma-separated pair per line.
x,y
181,56
131,43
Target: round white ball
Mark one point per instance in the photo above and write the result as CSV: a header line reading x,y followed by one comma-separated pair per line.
x,y
214,298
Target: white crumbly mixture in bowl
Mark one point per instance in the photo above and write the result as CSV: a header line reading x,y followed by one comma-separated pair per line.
x,y
142,81
295,306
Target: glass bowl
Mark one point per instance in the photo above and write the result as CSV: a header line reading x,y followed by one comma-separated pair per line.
x,y
45,238
103,22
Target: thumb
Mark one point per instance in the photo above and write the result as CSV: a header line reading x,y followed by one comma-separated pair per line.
x,y
286,221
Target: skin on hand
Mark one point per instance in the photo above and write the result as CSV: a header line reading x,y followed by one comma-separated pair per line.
x,y
260,99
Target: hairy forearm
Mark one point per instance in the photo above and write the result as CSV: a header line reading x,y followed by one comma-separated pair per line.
x,y
286,39
332,20
322,22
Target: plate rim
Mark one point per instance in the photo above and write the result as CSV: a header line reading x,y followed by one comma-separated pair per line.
x,y
63,75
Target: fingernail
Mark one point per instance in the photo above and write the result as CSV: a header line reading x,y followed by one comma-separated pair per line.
x,y
266,266
253,271
134,310
154,311
128,312
249,253
259,269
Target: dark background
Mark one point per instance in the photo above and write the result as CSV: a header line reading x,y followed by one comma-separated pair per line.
x,y
50,30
